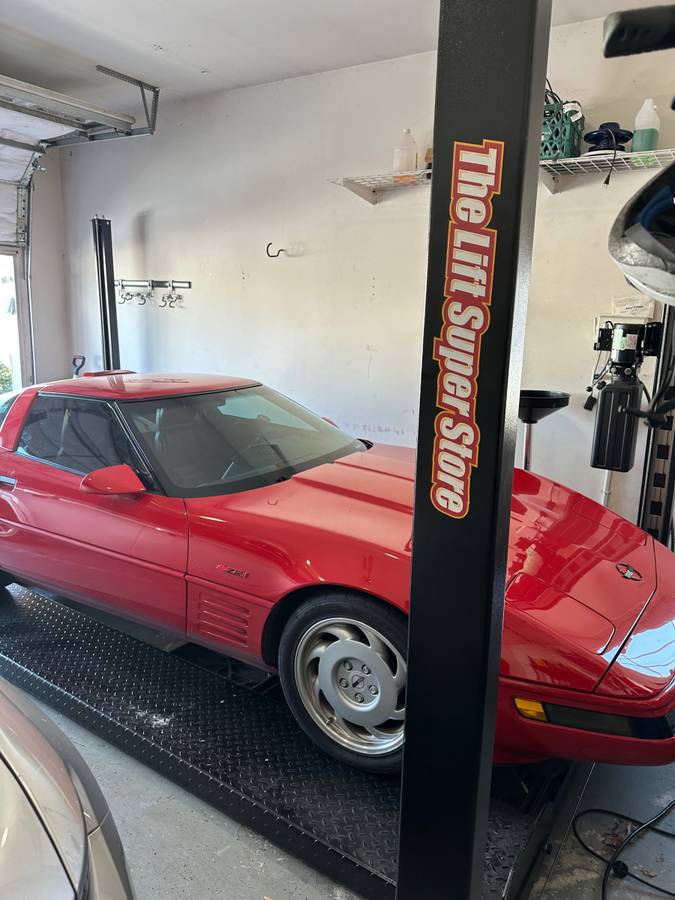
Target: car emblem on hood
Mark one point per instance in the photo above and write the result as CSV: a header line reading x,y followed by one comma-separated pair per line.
x,y
628,572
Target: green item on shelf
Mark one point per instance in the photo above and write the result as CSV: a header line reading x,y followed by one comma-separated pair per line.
x,y
645,139
644,161
562,127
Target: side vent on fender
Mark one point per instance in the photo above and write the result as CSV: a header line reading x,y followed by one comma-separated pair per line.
x,y
222,618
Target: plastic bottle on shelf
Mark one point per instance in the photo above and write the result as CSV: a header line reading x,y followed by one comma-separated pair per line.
x,y
647,125
405,158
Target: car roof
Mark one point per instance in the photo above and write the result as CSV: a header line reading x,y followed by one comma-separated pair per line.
x,y
136,386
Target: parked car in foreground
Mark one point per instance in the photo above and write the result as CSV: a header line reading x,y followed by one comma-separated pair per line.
x,y
58,840
217,509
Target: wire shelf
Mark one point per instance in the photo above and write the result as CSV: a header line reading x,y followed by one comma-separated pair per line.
x,y
600,163
369,187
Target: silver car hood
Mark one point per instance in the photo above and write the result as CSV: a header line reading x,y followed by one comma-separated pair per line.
x,y
46,781
29,864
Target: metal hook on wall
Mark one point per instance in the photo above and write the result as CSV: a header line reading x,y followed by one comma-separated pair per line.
x,y
274,255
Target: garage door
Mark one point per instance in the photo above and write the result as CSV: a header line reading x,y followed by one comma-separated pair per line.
x,y
30,118
20,149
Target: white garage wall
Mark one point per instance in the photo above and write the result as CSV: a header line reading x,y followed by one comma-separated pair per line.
x,y
339,326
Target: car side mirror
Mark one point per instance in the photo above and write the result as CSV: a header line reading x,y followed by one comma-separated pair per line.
x,y
113,480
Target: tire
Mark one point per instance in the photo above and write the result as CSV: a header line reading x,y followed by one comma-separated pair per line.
x,y
343,670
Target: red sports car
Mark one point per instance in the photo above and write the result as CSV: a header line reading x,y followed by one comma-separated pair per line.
x,y
222,511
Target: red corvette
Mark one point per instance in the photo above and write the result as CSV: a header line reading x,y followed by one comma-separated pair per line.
x,y
220,510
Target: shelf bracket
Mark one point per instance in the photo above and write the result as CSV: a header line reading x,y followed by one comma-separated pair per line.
x,y
151,111
360,190
551,182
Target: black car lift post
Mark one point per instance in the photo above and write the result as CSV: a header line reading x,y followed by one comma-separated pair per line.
x,y
105,274
658,475
489,93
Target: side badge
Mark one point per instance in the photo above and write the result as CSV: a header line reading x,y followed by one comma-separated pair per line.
x,y
231,570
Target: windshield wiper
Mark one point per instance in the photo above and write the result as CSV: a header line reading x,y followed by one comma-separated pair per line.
x,y
276,449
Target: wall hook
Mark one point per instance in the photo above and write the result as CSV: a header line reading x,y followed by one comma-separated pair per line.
x,y
274,255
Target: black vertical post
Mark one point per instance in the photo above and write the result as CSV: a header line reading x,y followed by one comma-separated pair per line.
x,y
489,94
658,475
106,292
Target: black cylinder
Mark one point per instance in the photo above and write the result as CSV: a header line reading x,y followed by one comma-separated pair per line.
x,y
615,434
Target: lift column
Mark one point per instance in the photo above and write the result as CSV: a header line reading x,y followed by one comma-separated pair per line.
x,y
658,475
106,292
489,101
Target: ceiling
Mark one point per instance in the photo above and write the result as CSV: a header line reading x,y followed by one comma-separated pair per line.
x,y
208,45
204,45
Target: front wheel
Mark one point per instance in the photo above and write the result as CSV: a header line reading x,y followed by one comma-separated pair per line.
x,y
343,670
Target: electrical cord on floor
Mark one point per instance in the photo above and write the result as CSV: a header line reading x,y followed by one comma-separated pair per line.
x,y
614,865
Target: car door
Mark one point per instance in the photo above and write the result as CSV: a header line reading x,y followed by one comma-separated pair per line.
x,y
125,553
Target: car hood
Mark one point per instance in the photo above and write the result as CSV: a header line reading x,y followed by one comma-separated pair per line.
x,y
645,666
383,476
557,536
579,578
29,864
45,780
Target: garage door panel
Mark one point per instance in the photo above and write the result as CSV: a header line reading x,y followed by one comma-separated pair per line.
x,y
15,163
8,213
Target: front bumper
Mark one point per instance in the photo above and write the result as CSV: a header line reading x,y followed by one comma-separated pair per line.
x,y
522,740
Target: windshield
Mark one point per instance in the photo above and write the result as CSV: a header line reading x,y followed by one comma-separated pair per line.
x,y
227,441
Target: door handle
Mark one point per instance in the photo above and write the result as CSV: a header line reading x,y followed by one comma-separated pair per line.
x,y
6,481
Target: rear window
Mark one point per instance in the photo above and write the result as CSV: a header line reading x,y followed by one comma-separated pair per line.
x,y
6,401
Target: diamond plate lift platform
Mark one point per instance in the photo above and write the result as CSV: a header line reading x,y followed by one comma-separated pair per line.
x,y
239,748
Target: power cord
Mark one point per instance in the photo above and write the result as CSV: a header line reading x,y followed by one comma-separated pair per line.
x,y
665,381
613,162
614,865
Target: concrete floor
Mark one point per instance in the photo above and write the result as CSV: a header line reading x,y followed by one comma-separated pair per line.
x,y
179,847
638,792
